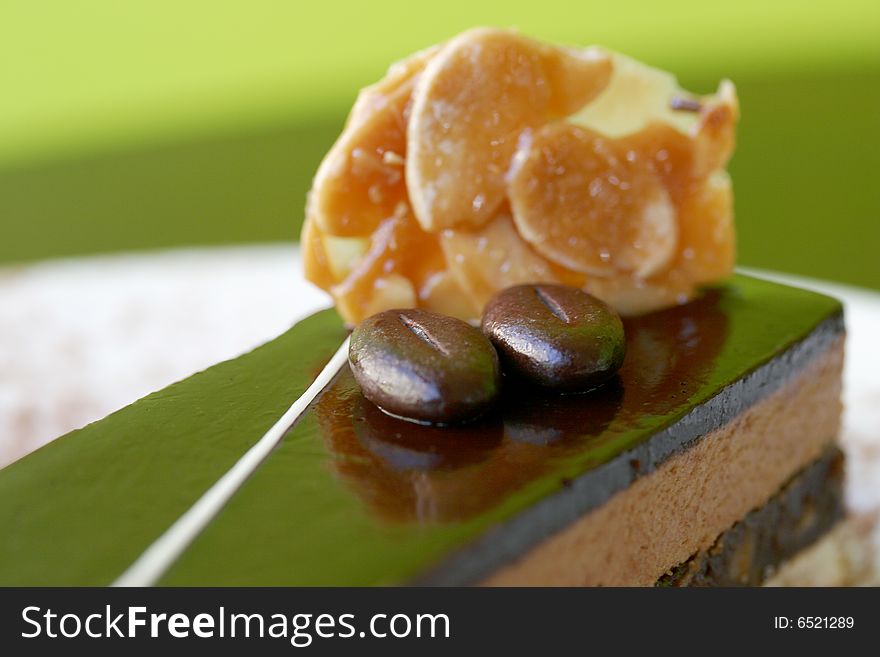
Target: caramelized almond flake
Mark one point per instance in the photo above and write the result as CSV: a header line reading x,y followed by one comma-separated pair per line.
x,y
360,181
315,263
392,158
470,106
399,76
582,204
441,293
492,258
495,160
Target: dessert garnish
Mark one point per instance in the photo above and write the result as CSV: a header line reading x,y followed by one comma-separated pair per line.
x,y
424,366
494,160
556,336
431,368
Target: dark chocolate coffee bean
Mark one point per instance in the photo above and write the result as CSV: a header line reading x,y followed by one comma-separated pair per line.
x,y
424,366
556,336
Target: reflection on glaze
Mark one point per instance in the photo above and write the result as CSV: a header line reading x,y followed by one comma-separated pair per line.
x,y
670,354
560,420
406,446
408,473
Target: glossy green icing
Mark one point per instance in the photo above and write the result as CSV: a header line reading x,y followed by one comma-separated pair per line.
x,y
83,508
325,512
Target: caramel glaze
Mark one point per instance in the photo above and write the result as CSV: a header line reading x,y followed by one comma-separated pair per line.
x,y
410,473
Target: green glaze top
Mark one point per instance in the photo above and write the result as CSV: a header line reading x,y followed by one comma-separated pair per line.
x,y
352,496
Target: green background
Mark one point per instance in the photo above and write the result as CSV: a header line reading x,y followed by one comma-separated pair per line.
x,y
151,124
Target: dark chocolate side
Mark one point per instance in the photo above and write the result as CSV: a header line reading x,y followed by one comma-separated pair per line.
x,y
796,517
513,538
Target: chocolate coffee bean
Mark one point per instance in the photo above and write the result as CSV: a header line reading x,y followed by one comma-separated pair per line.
x,y
555,336
423,366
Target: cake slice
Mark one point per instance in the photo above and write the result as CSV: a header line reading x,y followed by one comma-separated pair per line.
x,y
619,488
711,461
489,161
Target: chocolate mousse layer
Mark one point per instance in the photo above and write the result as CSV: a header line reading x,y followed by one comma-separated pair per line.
x,y
751,551
701,489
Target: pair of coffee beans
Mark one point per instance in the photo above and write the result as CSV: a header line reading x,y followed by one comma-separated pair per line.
x,y
428,367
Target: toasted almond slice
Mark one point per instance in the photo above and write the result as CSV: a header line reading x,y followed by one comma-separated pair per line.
x,y
343,253
639,96
470,106
715,134
328,259
361,180
636,96
634,296
706,254
386,291
315,264
707,249
491,258
441,293
357,295
582,204
399,250
400,74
